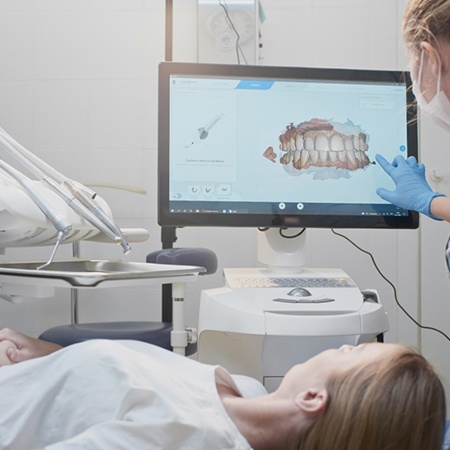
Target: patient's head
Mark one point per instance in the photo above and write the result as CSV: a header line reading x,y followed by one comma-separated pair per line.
x,y
374,396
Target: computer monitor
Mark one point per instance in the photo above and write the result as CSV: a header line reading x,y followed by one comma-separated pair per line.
x,y
259,146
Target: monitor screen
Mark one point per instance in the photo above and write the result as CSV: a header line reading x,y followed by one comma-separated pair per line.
x,y
264,146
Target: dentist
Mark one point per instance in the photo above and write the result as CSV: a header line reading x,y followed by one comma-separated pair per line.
x,y
426,31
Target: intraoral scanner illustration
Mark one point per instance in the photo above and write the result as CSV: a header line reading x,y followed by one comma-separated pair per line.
x,y
203,132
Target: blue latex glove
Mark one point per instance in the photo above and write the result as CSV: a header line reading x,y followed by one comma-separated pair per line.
x,y
412,190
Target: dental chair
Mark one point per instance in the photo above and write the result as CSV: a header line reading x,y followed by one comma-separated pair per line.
x,y
157,333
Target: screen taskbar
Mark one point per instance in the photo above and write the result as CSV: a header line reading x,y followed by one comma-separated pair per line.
x,y
285,208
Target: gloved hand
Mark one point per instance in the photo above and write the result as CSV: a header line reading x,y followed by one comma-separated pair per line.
x,y
412,190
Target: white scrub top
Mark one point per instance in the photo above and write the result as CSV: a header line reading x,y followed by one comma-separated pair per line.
x,y
114,395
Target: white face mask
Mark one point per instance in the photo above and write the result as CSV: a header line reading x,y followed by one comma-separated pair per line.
x,y
439,106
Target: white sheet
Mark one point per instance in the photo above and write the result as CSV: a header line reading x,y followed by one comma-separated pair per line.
x,y
114,395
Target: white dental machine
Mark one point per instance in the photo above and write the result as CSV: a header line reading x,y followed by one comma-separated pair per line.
x,y
265,320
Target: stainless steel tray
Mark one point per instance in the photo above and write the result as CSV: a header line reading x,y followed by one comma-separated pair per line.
x,y
90,273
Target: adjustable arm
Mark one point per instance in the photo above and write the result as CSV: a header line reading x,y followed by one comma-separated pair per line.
x,y
57,219
74,194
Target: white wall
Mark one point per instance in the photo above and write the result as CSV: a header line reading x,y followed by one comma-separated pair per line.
x,y
78,86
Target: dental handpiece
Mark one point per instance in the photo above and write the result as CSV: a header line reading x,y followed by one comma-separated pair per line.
x,y
76,205
98,211
58,220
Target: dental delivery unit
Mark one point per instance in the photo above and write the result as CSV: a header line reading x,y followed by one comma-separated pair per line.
x,y
51,209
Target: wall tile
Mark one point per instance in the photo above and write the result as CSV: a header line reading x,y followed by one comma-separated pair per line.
x,y
153,50
340,40
278,4
16,6
150,113
60,120
185,36
62,5
116,41
62,45
16,29
383,45
342,4
292,48
115,114
17,110
125,5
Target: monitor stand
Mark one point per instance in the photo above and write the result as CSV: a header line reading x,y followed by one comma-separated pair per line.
x,y
282,254
284,260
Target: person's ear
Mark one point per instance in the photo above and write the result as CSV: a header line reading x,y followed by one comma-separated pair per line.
x,y
312,400
434,60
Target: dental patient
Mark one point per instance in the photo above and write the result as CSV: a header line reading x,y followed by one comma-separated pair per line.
x,y
129,395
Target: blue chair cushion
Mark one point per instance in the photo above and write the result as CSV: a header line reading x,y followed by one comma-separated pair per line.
x,y
157,333
202,257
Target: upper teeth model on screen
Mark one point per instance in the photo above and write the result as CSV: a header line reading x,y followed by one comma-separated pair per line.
x,y
50,209
323,143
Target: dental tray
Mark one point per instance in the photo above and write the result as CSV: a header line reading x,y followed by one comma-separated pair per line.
x,y
91,273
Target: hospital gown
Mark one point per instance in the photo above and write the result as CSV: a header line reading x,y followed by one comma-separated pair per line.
x,y
114,395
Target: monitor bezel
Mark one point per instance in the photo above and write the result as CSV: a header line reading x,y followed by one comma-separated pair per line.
x,y
166,218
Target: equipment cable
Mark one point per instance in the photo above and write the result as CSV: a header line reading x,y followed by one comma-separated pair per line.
x,y
238,37
423,327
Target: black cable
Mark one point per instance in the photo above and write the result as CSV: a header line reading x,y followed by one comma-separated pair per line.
x,y
423,327
293,236
238,37
231,25
280,231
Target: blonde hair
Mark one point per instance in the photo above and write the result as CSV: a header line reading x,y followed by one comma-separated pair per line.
x,y
425,20
396,405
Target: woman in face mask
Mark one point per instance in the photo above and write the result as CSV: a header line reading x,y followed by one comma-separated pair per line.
x,y
426,30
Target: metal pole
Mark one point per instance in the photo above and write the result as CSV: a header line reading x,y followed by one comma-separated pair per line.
x,y
169,30
74,291
168,234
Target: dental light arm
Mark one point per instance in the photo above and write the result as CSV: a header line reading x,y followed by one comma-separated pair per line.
x,y
75,195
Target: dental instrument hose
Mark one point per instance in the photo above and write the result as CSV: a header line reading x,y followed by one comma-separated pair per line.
x,y
76,198
423,327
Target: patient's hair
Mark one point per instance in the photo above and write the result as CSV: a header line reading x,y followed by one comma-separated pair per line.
x,y
398,404
425,20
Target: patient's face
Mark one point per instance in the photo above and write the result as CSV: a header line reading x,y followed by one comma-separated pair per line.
x,y
334,361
